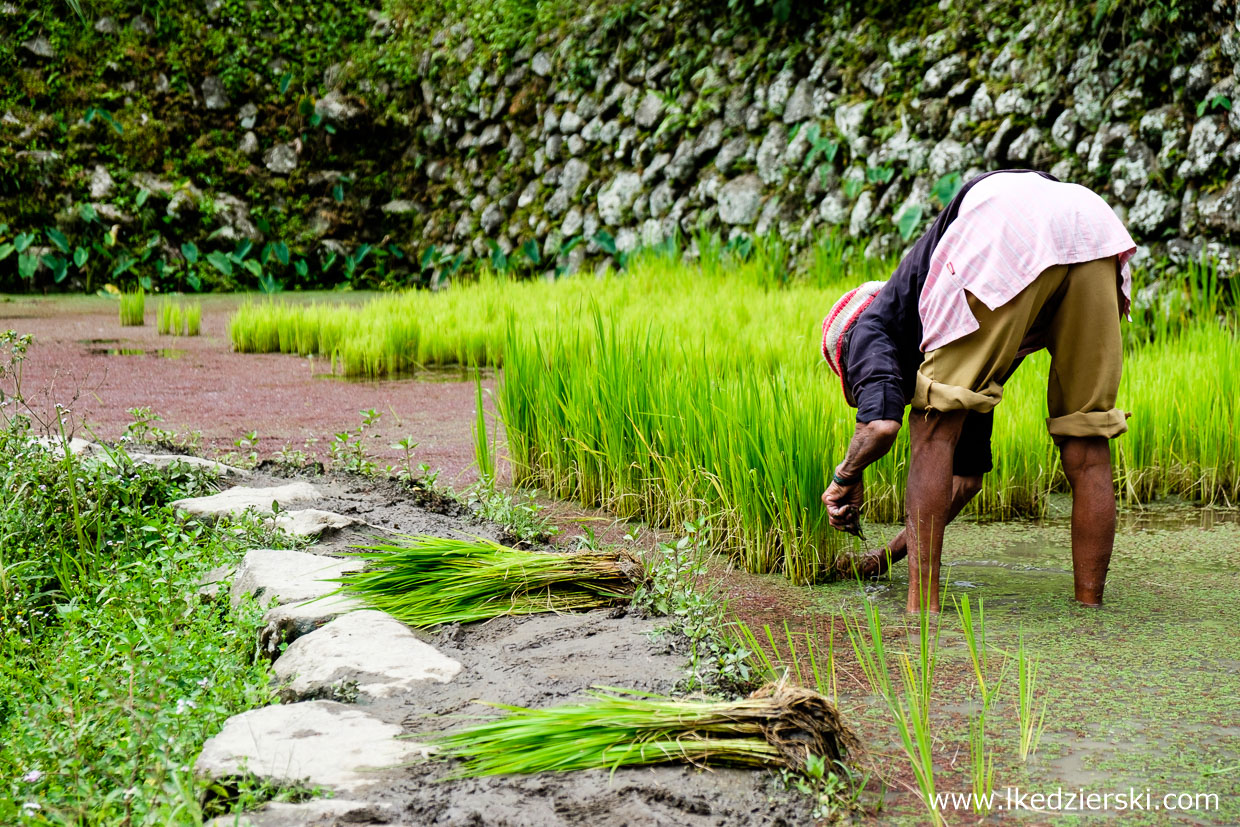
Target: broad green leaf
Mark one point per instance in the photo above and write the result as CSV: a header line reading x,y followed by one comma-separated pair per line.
x,y
26,265
59,267
190,251
88,213
301,267
142,196
945,188
6,250
220,262
253,266
194,282
22,241
281,251
58,238
530,248
606,242
909,221
80,256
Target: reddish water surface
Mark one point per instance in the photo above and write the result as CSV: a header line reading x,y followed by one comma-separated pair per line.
x,y
82,357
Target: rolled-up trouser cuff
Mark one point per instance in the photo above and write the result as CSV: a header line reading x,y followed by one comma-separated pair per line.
x,y
937,396
1109,424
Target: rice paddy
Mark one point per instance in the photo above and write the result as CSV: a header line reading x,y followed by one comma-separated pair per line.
x,y
676,391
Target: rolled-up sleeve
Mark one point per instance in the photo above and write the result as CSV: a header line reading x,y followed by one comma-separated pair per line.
x,y
874,368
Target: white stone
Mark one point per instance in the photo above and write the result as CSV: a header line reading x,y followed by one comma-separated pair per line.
x,y
333,107
165,461
942,74
311,522
541,64
237,500
56,446
1204,145
285,576
281,159
861,213
770,154
739,200
650,110
213,94
317,743
616,199
1153,210
372,648
100,182
249,144
289,621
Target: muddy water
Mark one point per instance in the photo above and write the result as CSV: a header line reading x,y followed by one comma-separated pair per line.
x,y
1143,693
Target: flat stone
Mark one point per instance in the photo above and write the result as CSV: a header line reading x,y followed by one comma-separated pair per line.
x,y
235,501
317,743
311,522
370,647
56,446
310,814
164,461
284,576
289,621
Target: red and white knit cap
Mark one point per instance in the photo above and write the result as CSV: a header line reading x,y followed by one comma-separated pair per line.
x,y
844,315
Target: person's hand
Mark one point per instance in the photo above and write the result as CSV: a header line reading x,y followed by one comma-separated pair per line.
x,y
844,504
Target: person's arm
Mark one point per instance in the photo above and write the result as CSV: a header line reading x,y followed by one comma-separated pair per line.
x,y
845,495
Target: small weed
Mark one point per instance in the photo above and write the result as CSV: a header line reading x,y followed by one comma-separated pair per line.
x,y
676,588
348,451
519,515
1032,719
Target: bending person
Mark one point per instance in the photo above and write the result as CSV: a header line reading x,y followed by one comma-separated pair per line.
x,y
1016,262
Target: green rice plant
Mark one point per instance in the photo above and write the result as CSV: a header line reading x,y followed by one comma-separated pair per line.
x,y
768,660
981,766
177,319
482,448
426,581
133,308
981,762
193,319
909,700
685,391
1032,719
778,726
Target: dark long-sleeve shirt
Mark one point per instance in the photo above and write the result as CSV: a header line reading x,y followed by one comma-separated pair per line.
x,y
882,350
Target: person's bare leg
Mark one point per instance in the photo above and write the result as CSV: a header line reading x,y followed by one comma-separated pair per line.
x,y
933,438
1087,464
877,561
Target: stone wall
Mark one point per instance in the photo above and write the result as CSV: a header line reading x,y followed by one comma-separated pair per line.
x,y
620,130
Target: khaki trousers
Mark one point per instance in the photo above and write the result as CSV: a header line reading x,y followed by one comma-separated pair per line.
x,y
1071,310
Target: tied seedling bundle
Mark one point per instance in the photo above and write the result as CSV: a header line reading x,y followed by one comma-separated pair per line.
x,y
779,726
425,581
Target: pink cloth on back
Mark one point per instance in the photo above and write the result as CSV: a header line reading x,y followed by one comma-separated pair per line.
x,y
1011,227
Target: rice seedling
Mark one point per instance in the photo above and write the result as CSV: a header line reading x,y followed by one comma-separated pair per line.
x,y
805,666
482,448
192,314
909,700
981,762
133,308
777,726
1032,719
176,319
426,581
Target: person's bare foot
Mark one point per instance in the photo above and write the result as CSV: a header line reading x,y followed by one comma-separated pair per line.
x,y
868,565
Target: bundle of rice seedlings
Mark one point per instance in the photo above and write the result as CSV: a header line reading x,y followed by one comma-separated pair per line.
x,y
778,726
425,581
